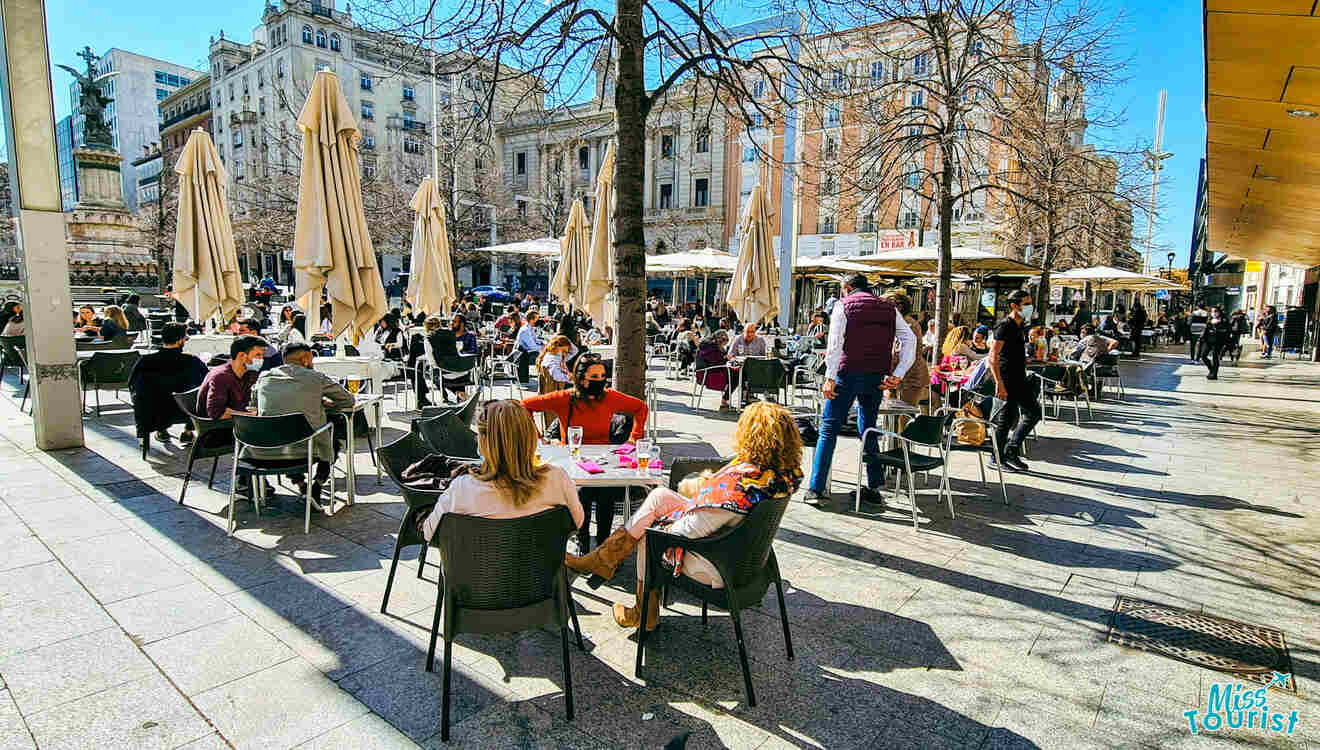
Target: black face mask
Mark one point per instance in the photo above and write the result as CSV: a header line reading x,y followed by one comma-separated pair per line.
x,y
594,388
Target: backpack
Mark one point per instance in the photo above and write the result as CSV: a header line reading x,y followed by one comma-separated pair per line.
x,y
970,433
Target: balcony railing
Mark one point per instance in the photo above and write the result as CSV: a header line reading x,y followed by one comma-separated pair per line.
x,y
185,115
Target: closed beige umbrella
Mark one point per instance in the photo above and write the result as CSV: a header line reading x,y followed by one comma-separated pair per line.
x,y
206,275
754,290
570,282
430,273
331,247
600,265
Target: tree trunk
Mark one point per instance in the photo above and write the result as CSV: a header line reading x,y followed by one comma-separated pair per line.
x,y
944,282
630,106
1047,265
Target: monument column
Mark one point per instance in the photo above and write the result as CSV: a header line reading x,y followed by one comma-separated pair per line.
x,y
29,114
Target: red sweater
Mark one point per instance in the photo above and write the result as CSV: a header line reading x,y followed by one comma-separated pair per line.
x,y
592,416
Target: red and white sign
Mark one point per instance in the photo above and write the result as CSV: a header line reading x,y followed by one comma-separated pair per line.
x,y
894,239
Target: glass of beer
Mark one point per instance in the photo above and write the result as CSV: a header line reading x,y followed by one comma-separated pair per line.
x,y
644,453
575,442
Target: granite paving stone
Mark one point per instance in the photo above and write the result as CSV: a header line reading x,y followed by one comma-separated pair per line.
x,y
145,714
200,659
282,706
67,670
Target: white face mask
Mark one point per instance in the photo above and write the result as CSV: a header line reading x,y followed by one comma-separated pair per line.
x,y
256,364
1027,310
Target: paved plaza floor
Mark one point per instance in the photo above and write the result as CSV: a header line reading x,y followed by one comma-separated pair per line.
x,y
129,621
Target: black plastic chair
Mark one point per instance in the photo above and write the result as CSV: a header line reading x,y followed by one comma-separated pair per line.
x,y
502,575
1056,384
448,435
396,457
1106,368
11,355
283,431
745,558
990,444
763,375
921,431
212,439
105,370
681,467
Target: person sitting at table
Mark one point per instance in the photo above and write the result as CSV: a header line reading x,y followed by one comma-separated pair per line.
x,y
748,344
180,312
767,464
652,325
1091,346
327,320
114,324
271,358
508,322
156,377
956,345
293,325
507,483
711,353
686,340
295,388
980,344
819,331
591,405
133,314
227,388
551,368
389,336
12,319
86,321
527,346
465,339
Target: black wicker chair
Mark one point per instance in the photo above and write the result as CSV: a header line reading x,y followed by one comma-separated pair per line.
x,y
396,457
681,466
105,370
502,575
763,375
212,439
290,431
745,558
448,435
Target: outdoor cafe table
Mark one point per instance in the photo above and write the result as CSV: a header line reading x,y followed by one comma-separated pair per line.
x,y
208,343
373,371
361,402
614,474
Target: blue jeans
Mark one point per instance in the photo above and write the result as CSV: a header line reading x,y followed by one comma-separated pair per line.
x,y
867,391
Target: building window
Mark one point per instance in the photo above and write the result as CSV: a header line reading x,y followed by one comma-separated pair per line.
x,y
831,148
307,35
261,105
666,196
231,91
520,164
829,185
758,88
365,81
522,210
756,121
666,146
909,219
701,192
412,146
868,223
919,65
914,131
584,159
703,141
914,180
825,225
320,38
833,115
279,68
161,94
368,111
408,93
261,77
877,72
917,99
368,170
368,140
238,138
334,42
749,154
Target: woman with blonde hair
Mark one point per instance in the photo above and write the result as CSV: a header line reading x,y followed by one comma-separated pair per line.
x,y
114,323
508,483
550,365
767,464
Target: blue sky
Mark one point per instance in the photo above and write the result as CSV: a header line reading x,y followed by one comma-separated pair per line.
x,y
1163,42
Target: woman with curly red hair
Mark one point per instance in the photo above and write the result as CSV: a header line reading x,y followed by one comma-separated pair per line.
x,y
767,463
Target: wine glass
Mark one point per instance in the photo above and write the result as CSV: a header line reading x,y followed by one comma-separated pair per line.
x,y
575,441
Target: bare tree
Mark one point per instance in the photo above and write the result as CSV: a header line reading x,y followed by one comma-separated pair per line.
x,y
556,44
158,219
937,78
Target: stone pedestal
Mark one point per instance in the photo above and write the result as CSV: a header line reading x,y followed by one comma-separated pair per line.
x,y
105,240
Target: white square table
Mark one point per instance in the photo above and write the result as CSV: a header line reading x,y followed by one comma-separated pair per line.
x,y
613,476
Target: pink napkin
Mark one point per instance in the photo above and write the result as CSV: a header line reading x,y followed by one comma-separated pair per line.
x,y
627,462
625,450
591,467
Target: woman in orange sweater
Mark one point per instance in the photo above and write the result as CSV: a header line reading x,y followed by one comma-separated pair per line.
x,y
591,405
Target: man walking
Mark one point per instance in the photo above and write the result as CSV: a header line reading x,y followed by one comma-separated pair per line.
x,y
1269,328
1008,364
1137,322
858,367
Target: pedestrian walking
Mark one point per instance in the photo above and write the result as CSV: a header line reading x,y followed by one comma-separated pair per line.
x,y
1137,322
1195,328
1213,340
1238,327
858,367
1269,328
1008,365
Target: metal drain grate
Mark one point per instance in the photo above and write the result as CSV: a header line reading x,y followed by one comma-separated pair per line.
x,y
1249,652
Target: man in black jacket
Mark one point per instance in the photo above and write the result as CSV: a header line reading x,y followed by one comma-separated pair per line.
x,y
1213,340
157,377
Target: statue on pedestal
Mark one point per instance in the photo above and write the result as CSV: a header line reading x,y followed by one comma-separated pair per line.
x,y
93,101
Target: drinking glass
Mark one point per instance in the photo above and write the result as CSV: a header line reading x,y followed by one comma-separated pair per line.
x,y
575,442
644,452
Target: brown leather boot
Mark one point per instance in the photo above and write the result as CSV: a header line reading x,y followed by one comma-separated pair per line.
x,y
628,617
601,563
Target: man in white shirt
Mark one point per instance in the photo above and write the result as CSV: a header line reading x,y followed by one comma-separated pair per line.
x,y
527,345
858,367
748,344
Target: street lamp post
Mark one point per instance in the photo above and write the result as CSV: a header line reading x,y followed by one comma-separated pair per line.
x,y
1154,162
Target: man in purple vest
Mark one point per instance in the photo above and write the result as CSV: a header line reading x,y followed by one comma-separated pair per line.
x,y
858,367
